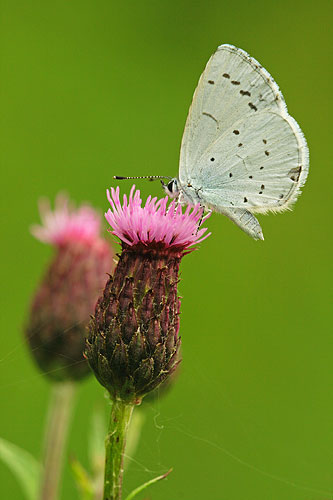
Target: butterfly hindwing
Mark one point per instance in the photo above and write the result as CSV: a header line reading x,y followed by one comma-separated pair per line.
x,y
258,165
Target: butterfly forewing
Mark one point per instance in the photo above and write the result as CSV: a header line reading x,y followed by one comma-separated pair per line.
x,y
232,86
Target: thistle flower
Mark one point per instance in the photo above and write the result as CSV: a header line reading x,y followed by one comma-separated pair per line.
x,y
67,295
134,340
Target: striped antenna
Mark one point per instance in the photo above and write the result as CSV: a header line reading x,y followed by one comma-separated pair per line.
x,y
149,177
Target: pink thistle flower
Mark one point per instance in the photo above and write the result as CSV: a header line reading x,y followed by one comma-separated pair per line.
x,y
154,224
133,343
67,295
66,223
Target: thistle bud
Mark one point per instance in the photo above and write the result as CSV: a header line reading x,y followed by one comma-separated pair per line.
x,y
67,294
133,340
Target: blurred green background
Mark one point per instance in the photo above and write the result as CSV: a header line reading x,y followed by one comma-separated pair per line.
x,y
90,89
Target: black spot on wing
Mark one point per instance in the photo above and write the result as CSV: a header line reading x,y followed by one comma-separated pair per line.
x,y
245,92
236,132
252,106
211,82
294,173
235,82
226,75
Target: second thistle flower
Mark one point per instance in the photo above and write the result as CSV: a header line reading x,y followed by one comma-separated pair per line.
x,y
67,294
134,341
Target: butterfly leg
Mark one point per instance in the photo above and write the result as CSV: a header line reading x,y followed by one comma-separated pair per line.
x,y
203,217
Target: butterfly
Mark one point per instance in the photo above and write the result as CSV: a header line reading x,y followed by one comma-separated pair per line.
x,y
241,152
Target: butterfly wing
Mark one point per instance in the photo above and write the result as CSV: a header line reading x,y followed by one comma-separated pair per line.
x,y
261,168
238,124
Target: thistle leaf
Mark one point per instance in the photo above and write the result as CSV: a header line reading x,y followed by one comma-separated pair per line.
x,y
23,465
145,485
83,480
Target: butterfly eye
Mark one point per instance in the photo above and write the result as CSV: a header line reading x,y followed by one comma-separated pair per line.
x,y
170,186
173,186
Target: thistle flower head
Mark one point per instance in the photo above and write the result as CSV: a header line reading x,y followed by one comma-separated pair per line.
x,y
67,294
66,223
133,342
155,223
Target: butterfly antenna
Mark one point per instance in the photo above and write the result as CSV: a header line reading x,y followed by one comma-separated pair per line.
x,y
149,177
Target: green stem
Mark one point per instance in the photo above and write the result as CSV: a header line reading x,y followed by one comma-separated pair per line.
x,y
60,409
114,449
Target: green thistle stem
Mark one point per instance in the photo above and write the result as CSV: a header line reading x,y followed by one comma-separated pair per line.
x,y
60,409
114,449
